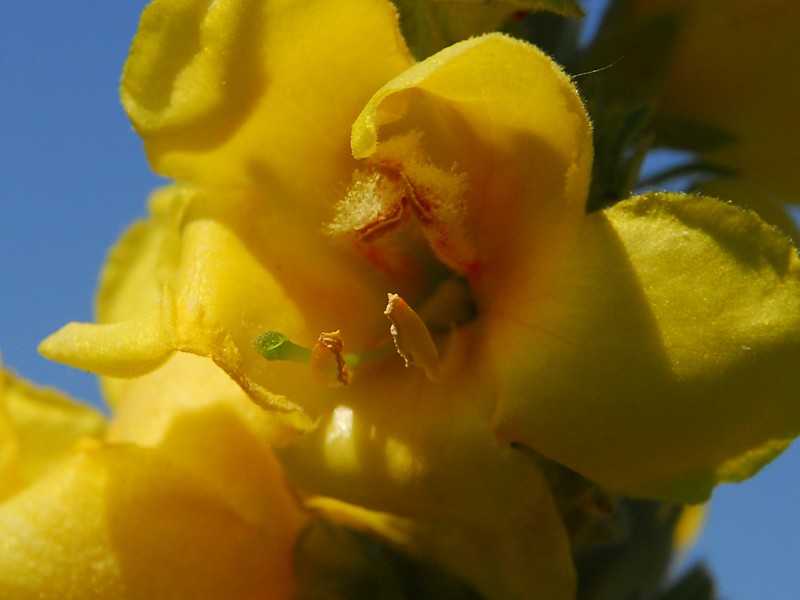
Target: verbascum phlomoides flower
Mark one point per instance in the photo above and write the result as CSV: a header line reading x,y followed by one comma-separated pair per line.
x,y
178,495
327,182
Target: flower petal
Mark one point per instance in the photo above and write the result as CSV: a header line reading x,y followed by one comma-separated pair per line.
x,y
227,269
502,112
488,552
665,359
123,349
415,461
236,91
122,522
771,208
37,427
199,419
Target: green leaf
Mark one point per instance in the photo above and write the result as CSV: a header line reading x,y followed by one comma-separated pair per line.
x,y
430,25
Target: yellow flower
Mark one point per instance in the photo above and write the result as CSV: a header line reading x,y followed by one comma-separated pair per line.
x,y
180,497
37,427
322,169
734,67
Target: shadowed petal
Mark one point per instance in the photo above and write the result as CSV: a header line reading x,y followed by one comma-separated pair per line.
x,y
663,360
121,522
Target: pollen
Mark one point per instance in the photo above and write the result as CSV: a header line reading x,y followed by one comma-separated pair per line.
x,y
373,203
327,362
400,182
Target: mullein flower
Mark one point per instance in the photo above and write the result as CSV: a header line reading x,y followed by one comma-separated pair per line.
x,y
37,427
177,495
432,308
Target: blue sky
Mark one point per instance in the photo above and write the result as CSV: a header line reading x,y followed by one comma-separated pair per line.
x,y
73,175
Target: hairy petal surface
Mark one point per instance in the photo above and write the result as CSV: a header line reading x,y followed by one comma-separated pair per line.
x,y
503,113
415,462
234,92
662,361
122,522
774,209
38,426
186,478
218,273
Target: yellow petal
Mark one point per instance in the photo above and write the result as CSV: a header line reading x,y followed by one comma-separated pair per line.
x,y
236,91
37,427
122,349
221,269
689,526
134,273
130,282
502,555
199,419
503,113
773,209
421,454
9,454
665,358
122,522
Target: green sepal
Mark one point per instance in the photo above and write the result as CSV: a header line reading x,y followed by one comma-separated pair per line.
x,y
619,76
687,134
622,145
430,25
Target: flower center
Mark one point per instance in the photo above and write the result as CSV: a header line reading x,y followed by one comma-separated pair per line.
x,y
407,216
397,183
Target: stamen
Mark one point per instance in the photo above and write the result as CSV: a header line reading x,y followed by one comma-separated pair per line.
x,y
374,203
412,338
399,181
328,363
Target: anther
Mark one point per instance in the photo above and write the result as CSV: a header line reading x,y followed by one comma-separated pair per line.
x,y
328,364
412,338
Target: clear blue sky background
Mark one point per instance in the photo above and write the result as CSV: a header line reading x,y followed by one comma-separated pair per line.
x,y
73,175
